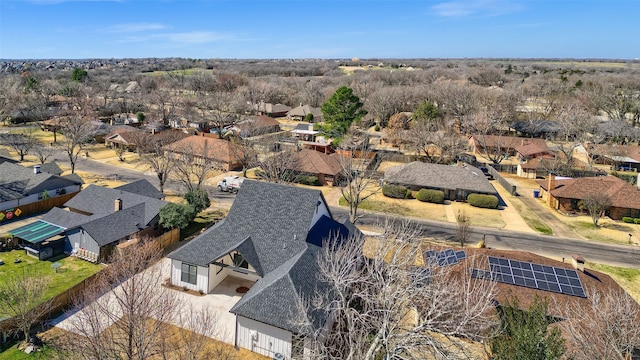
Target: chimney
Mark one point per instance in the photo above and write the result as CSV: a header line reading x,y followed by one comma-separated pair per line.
x,y
36,169
117,205
459,163
578,262
551,184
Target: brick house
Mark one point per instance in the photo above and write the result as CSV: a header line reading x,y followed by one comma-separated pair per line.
x,y
565,194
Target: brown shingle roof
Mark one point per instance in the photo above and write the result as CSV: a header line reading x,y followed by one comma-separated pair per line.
x,y
209,148
617,151
621,193
530,147
315,162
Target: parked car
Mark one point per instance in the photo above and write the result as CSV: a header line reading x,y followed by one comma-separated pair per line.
x,y
230,184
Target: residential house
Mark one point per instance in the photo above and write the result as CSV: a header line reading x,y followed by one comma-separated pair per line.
x,y
536,128
123,137
623,157
21,186
270,237
256,125
456,181
566,193
301,112
565,284
326,168
306,137
272,110
201,150
93,222
525,148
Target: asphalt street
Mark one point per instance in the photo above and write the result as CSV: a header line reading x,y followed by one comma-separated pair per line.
x,y
557,247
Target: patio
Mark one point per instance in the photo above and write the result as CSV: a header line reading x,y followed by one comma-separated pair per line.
x,y
220,301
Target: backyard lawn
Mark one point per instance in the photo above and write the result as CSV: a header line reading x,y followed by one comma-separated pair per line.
x,y
71,272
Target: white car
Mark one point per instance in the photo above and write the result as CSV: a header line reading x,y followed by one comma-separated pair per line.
x,y
230,184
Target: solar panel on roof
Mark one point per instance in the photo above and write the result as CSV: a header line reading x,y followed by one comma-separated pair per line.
x,y
536,276
444,258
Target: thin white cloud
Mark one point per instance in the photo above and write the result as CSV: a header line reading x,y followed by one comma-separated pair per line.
x,y
134,27
462,8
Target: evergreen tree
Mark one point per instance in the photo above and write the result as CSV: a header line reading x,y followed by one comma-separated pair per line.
x,y
526,334
340,111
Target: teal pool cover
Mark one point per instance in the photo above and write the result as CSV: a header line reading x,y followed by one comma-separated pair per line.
x,y
37,232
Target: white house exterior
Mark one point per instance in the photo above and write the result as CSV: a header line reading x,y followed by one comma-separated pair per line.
x,y
270,237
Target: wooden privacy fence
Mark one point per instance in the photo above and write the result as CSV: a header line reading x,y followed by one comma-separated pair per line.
x,y
40,206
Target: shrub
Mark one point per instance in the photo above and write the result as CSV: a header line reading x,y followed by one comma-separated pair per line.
x,y
309,117
377,128
395,191
408,195
636,220
308,179
627,219
483,201
431,196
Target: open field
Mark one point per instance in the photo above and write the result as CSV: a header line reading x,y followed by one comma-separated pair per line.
x,y
71,272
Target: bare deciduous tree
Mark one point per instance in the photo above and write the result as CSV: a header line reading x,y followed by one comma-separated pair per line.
x,y
358,164
42,152
151,150
596,204
124,312
22,142
22,299
608,329
192,163
384,303
77,132
463,228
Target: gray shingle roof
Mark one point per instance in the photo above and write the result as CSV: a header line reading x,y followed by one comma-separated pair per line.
x,y
142,187
275,299
17,181
118,225
99,201
276,218
101,220
437,176
51,168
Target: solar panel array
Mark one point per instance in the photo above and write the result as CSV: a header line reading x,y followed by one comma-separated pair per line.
x,y
536,276
445,257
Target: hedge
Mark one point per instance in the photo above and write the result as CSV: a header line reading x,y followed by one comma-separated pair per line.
x,y
431,196
308,179
395,191
483,201
636,220
627,219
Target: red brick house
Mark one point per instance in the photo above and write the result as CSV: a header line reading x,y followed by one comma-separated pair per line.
x,y
565,194
326,167
205,149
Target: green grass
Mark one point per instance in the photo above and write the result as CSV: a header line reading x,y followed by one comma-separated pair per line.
x,y
12,353
201,222
72,272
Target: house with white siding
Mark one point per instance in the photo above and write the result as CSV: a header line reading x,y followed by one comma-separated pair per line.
x,y
20,186
269,237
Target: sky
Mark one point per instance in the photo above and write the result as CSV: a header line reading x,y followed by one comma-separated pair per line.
x,y
276,29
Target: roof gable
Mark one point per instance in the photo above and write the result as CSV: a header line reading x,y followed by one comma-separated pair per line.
x,y
142,187
276,217
315,162
209,148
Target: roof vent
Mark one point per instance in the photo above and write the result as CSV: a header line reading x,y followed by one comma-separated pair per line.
x,y
36,169
117,205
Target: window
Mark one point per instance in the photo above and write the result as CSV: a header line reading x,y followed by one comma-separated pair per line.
x,y
239,261
189,273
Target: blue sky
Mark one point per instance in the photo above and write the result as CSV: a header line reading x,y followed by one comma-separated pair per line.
x,y
65,29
